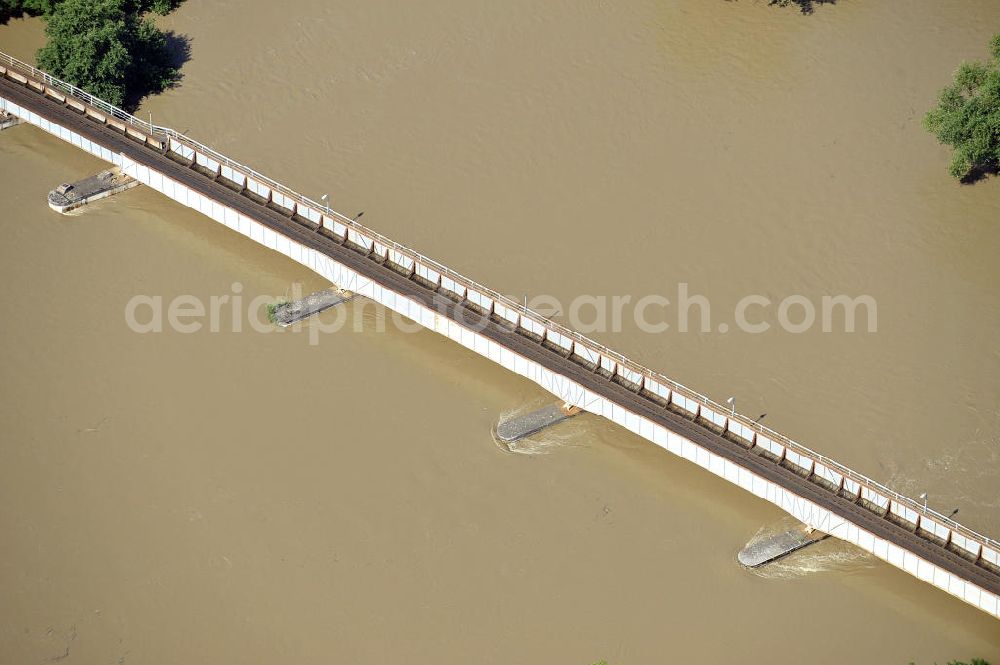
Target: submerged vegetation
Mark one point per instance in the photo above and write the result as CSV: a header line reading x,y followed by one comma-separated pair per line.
x,y
272,311
967,117
110,48
806,6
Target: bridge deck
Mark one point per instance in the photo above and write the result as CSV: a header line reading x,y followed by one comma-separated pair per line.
x,y
519,343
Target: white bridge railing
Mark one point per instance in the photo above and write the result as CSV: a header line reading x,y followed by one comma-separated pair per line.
x,y
699,406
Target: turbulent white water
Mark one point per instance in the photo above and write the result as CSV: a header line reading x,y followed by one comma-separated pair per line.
x,y
568,433
828,555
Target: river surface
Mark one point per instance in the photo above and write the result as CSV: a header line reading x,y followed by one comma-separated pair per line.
x,y
251,497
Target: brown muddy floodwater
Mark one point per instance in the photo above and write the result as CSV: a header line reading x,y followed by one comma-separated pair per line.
x,y
248,497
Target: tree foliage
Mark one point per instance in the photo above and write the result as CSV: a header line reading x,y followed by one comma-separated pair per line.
x,y
967,116
16,8
107,47
161,7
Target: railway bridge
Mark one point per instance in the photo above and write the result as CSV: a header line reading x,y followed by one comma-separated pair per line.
x,y
820,492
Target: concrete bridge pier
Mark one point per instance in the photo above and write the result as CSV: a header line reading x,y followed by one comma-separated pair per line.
x,y
774,546
288,313
519,427
7,120
69,196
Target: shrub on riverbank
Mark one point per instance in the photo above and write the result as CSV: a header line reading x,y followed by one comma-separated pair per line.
x,y
967,117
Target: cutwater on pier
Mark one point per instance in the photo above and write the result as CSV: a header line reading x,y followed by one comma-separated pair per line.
x,y
70,196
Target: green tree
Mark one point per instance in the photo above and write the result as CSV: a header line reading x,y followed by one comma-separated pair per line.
x,y
40,7
161,7
15,8
967,117
108,49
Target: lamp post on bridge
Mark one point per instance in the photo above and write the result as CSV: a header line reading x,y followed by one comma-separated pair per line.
x,y
326,204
